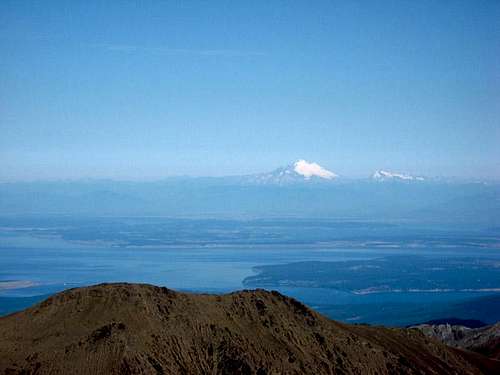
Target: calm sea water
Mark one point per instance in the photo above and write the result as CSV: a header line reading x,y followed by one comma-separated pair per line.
x,y
48,264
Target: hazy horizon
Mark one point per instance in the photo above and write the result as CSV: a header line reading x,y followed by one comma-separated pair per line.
x,y
158,178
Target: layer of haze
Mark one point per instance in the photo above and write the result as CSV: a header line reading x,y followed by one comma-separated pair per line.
x,y
150,89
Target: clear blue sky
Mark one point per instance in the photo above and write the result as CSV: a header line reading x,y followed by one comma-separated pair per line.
x,y
148,89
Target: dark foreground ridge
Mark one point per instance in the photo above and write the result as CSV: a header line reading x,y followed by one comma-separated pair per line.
x,y
143,329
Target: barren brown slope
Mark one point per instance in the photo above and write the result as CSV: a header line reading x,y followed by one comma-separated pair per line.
x,y
142,329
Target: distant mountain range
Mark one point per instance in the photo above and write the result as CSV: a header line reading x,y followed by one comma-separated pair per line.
x,y
303,188
303,171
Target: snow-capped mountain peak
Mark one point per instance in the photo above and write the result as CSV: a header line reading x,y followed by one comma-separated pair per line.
x,y
300,171
382,175
309,170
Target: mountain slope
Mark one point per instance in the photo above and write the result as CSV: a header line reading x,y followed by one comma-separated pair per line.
x,y
132,329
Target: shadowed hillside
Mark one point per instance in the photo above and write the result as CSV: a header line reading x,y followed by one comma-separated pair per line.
x,y
142,329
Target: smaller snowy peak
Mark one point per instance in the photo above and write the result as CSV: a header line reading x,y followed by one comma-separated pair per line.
x,y
309,170
382,175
